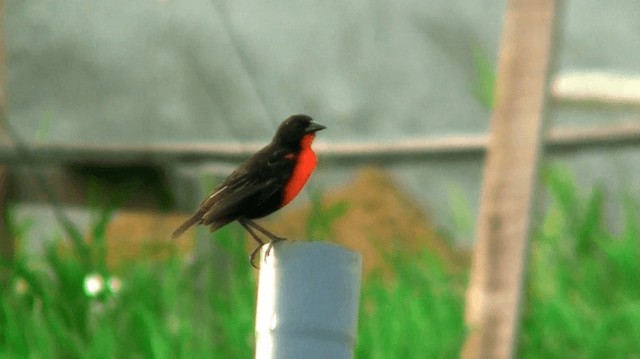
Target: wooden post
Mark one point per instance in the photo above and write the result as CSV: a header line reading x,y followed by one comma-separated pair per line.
x,y
308,297
510,174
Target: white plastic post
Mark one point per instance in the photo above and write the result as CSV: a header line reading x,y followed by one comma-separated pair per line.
x,y
308,295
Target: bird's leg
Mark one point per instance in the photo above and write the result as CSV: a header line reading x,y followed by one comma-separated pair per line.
x,y
262,230
253,254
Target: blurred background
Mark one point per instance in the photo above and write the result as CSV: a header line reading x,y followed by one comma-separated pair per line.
x,y
121,116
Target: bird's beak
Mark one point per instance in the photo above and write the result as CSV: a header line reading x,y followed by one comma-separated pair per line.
x,y
314,127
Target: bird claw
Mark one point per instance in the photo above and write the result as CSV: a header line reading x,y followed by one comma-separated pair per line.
x,y
270,245
252,256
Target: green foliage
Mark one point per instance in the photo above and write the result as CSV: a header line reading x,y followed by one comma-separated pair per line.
x,y
484,81
159,312
416,313
323,217
583,299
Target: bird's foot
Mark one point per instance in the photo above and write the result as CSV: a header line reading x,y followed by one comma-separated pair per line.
x,y
270,245
254,253
252,257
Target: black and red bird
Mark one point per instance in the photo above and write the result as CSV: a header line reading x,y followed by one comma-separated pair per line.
x,y
264,183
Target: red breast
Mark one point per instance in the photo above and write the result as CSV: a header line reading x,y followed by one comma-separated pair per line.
x,y
305,164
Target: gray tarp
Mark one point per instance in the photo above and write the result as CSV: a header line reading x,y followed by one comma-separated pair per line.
x,y
177,71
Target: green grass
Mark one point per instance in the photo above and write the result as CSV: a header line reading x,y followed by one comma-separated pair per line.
x,y
418,313
160,312
584,286
582,301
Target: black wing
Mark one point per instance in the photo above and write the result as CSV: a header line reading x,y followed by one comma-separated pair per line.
x,y
232,198
253,183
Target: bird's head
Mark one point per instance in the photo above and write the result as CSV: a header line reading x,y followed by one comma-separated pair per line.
x,y
295,128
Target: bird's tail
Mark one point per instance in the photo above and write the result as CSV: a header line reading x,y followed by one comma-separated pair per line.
x,y
187,224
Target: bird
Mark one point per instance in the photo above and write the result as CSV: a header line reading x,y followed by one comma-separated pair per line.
x,y
267,181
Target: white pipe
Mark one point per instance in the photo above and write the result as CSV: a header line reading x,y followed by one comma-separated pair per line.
x,y
597,86
308,296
